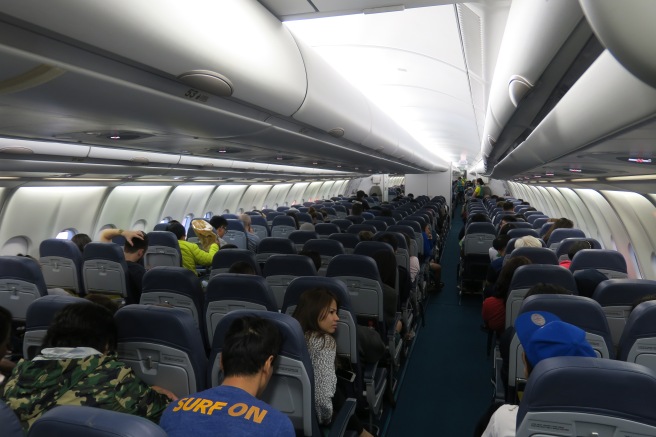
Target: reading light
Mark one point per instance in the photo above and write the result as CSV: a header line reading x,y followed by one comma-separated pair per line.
x,y
584,180
643,177
557,181
549,174
575,170
640,160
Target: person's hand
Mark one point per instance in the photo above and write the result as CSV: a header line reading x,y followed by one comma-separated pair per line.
x,y
165,392
130,235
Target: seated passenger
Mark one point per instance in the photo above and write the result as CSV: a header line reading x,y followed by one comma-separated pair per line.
x,y
573,249
314,256
192,255
78,366
242,267
561,223
543,335
81,240
136,244
317,314
250,348
527,241
251,236
494,306
434,267
221,225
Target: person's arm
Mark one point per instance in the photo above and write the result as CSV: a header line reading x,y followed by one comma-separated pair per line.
x,y
107,235
202,258
138,398
325,379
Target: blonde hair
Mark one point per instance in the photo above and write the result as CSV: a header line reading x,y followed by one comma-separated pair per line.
x,y
527,241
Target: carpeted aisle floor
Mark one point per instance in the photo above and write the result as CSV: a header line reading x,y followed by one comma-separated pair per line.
x,y
446,384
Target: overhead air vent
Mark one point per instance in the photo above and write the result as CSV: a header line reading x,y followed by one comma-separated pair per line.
x,y
337,132
15,150
209,81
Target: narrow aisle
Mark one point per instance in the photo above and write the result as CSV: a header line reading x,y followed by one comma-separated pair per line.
x,y
446,385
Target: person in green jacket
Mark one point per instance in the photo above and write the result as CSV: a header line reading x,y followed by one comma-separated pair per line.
x,y
192,255
77,366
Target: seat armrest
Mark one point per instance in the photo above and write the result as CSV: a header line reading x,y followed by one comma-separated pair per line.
x,y
338,427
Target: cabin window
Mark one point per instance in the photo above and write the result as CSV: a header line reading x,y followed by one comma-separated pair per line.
x,y
16,245
139,225
166,220
208,215
226,211
187,221
633,258
107,226
66,234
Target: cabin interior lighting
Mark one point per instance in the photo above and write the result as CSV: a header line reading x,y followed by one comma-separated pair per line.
x,y
584,180
209,180
71,179
557,181
549,173
6,178
642,177
575,170
640,160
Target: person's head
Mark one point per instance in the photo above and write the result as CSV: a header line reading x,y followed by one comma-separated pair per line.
x,y
366,235
220,224
242,267
360,194
246,220
391,240
479,181
306,227
500,244
576,246
138,248
83,324
542,288
508,207
543,335
386,262
478,218
587,281
505,228
506,274
356,209
293,214
527,241
561,223
81,240
507,219
104,301
177,229
249,349
646,298
316,311
314,256
5,331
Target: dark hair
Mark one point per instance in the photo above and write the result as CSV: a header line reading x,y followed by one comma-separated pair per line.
x,y
506,228
314,256
357,208
386,262
360,194
478,218
508,206
386,212
312,306
480,181
5,324
217,222
505,275
561,223
578,245
81,240
242,267
542,288
500,242
509,219
177,229
646,298
103,300
84,324
366,235
390,239
248,344
137,244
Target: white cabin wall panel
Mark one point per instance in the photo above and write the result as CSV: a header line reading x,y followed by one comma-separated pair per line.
x,y
325,190
638,215
226,198
431,185
583,216
296,194
564,207
236,38
128,204
338,189
312,191
37,213
187,199
552,209
276,197
254,197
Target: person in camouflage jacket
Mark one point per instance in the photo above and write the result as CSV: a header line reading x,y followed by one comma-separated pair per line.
x,y
71,370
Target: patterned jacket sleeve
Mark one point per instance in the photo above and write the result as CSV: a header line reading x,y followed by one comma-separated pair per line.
x,y
137,397
325,379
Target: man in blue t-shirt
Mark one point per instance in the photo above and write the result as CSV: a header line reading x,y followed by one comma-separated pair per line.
x,y
233,409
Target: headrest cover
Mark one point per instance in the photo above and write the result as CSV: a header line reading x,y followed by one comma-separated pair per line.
x,y
543,335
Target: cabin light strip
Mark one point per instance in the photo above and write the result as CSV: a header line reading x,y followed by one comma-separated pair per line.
x,y
584,180
643,177
7,178
82,179
557,181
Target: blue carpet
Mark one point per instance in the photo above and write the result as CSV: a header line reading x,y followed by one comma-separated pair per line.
x,y
445,386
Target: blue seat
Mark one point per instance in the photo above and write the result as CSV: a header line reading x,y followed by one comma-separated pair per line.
x,y
235,234
61,264
78,421
11,426
609,262
104,269
163,250
617,297
544,229
280,270
480,228
21,283
539,223
291,387
341,211
357,228
282,226
327,248
380,225
368,215
537,255
560,234
638,341
163,346
369,248
526,277
270,215
325,229
342,223
260,226
161,226
271,246
282,208
229,216
349,241
521,232
300,237
535,217
40,314
389,221
523,225
224,259
304,217
331,211
355,219
177,287
589,397
227,292
565,244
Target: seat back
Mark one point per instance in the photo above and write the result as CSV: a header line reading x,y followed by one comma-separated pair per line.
x,y
11,426
478,239
291,387
300,237
343,224
79,421
270,215
609,262
357,228
349,241
21,283
566,243
225,258
163,346
380,225
617,297
325,229
327,248
539,223
537,255
355,219
526,277
61,264
521,232
274,245
587,396
235,234
560,234
638,341
40,314
104,269
227,292
341,211
281,270
282,226
163,250
260,226
177,287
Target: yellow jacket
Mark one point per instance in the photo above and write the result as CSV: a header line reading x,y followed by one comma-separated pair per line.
x,y
193,256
